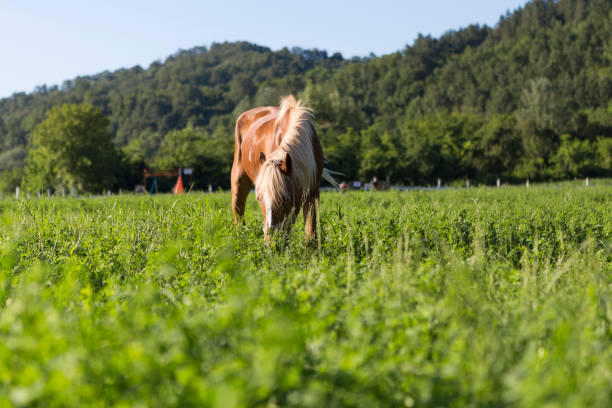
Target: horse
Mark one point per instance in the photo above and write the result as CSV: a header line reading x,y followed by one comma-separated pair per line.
x,y
278,151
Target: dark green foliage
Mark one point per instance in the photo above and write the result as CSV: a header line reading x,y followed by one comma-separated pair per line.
x,y
71,147
480,298
210,156
505,96
11,168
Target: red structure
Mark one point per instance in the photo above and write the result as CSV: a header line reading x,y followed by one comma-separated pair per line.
x,y
157,173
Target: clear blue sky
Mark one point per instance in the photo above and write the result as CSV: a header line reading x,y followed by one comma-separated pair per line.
x,y
47,42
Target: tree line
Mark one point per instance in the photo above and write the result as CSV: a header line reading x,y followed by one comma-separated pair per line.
x,y
528,98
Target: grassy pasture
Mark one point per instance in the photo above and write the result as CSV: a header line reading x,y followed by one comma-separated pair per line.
x,y
479,297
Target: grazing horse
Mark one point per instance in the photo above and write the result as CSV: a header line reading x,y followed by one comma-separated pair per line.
x,y
278,150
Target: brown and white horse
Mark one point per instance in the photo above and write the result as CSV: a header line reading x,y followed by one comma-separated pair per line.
x,y
278,150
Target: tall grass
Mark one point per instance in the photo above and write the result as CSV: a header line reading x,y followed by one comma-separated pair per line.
x,y
442,298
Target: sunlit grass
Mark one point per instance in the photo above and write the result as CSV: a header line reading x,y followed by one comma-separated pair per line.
x,y
480,297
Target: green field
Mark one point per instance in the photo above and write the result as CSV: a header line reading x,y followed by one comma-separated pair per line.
x,y
479,297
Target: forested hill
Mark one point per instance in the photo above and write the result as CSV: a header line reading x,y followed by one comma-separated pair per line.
x,y
191,88
531,97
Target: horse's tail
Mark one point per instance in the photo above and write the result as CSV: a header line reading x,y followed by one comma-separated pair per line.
x,y
327,175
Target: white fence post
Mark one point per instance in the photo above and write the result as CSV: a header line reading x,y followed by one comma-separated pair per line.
x,y
498,182
527,183
586,182
439,182
17,193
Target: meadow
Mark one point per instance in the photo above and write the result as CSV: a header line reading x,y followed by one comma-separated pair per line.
x,y
464,297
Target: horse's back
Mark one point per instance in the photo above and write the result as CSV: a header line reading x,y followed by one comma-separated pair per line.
x,y
253,128
251,122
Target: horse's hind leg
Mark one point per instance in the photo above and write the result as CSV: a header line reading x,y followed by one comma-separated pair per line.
x,y
310,217
241,185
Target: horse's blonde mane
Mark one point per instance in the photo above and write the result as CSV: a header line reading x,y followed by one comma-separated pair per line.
x,y
297,142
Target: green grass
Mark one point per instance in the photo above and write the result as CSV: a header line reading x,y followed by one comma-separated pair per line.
x,y
480,297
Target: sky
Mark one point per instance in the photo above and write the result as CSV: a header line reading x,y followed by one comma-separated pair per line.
x,y
47,42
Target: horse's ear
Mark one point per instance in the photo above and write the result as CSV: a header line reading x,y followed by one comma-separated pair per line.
x,y
286,164
262,158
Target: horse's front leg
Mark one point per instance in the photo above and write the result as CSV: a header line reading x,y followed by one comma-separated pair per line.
x,y
241,185
310,210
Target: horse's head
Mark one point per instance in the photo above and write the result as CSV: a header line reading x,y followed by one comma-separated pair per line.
x,y
275,191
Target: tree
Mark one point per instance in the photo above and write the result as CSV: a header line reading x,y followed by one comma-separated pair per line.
x,y
71,147
210,156
604,155
342,151
435,145
495,147
537,104
9,179
379,154
574,157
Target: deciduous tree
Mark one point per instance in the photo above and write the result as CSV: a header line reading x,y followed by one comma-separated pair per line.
x,y
72,147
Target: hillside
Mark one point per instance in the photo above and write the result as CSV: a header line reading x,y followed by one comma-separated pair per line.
x,y
531,97
192,87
